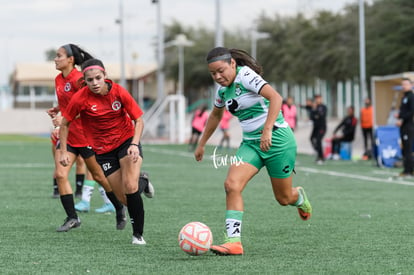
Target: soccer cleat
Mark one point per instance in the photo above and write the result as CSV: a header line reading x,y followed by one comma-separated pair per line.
x,y
305,209
228,248
405,175
120,219
69,224
106,208
82,206
149,190
56,194
138,239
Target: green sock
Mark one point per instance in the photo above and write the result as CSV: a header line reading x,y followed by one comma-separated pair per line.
x,y
233,225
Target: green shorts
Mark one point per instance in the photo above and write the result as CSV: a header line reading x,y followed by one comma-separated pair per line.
x,y
279,160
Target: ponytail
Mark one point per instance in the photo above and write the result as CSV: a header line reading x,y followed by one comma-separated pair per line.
x,y
79,55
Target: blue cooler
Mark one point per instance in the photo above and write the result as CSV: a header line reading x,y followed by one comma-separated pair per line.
x,y
387,145
345,151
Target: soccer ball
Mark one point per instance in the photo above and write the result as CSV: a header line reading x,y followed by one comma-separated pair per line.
x,y
195,238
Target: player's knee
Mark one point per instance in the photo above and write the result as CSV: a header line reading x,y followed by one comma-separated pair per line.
x,y
231,186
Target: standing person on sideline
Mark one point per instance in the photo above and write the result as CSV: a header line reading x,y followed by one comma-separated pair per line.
x,y
318,117
367,123
67,85
289,113
267,142
406,125
348,126
224,127
113,125
197,126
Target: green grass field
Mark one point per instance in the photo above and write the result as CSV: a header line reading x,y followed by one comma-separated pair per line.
x,y
361,222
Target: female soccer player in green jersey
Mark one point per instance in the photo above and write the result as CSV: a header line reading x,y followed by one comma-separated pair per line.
x,y
267,139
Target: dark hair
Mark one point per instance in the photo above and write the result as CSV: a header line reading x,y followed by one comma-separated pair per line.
x,y
241,57
92,62
406,79
79,55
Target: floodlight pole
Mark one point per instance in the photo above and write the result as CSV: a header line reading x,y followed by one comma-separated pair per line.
x,y
120,21
219,30
160,51
255,35
362,69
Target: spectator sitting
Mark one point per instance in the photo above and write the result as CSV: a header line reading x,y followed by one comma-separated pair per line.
x,y
348,126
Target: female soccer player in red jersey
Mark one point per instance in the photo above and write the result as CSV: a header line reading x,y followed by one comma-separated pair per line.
x,y
113,126
67,84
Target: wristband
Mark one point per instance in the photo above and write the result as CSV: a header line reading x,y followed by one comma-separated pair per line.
x,y
134,144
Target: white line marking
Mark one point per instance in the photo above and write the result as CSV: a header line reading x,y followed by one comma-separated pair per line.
x,y
359,177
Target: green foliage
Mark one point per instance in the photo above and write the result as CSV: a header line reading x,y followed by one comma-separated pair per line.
x,y
50,54
302,49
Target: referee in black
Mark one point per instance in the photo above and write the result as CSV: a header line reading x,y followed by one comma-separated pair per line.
x,y
406,125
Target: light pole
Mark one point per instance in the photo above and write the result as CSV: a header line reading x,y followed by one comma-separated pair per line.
x,y
362,76
160,51
255,35
219,29
180,41
120,21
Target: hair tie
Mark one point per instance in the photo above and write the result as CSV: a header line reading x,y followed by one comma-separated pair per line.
x,y
226,56
93,67
68,50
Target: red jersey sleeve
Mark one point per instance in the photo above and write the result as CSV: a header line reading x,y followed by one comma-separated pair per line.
x,y
131,106
74,107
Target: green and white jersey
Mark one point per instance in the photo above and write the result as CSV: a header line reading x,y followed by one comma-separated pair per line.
x,y
243,100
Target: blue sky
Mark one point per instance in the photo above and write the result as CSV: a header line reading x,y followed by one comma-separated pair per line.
x,y
29,28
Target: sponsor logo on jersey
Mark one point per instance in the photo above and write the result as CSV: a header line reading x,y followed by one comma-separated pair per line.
x,y
116,105
93,108
68,87
238,91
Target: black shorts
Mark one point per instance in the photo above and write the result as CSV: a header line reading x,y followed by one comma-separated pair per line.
x,y
109,162
195,131
85,152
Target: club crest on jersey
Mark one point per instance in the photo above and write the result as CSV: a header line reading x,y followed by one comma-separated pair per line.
x,y
68,87
116,105
238,90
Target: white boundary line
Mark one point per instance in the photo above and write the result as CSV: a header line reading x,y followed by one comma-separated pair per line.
x,y
359,177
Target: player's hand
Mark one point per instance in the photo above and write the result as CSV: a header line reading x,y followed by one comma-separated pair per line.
x,y
64,158
266,140
52,112
133,152
198,153
55,134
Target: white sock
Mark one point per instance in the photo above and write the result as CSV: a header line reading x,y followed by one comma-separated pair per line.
x,y
233,228
103,195
87,192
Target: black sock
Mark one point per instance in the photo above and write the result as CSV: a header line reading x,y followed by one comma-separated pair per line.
x,y
55,186
116,203
80,178
136,212
69,205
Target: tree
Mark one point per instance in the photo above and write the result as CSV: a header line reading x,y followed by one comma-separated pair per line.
x,y
50,54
